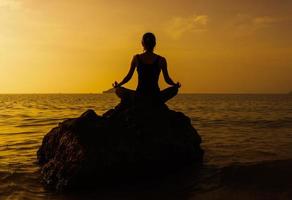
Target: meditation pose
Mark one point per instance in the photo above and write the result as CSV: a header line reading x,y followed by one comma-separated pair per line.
x,y
148,65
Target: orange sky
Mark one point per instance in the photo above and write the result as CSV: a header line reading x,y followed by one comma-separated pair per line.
x,y
74,46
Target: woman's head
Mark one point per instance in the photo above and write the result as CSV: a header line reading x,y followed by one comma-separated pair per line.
x,y
148,41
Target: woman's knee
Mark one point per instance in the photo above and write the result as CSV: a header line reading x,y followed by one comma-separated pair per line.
x,y
124,93
169,93
173,90
119,91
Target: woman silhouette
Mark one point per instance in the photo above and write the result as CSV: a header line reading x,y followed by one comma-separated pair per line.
x,y
149,65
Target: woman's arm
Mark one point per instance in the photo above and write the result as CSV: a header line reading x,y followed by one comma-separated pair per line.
x,y
166,76
129,75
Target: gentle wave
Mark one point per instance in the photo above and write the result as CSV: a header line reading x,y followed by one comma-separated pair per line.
x,y
23,125
269,174
279,123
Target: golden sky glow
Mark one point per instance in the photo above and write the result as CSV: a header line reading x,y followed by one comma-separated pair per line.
x,y
75,46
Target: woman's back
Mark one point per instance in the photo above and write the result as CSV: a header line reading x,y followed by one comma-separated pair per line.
x,y
148,69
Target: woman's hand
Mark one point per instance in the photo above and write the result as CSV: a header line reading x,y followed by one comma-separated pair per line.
x,y
178,85
115,84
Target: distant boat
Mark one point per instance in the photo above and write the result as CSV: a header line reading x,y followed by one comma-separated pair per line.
x,y
109,91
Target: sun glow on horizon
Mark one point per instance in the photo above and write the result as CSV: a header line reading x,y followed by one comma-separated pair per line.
x,y
83,46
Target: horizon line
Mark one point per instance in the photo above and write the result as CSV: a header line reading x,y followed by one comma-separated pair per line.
x,y
29,93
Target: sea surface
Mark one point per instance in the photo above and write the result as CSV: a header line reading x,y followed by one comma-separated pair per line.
x,y
249,136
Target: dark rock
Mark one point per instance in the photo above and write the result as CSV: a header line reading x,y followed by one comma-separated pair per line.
x,y
131,143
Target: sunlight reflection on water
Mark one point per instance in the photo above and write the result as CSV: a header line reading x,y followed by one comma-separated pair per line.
x,y
234,128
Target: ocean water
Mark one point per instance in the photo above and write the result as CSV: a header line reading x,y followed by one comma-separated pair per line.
x,y
243,132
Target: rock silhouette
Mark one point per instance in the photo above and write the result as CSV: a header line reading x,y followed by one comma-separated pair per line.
x,y
132,143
